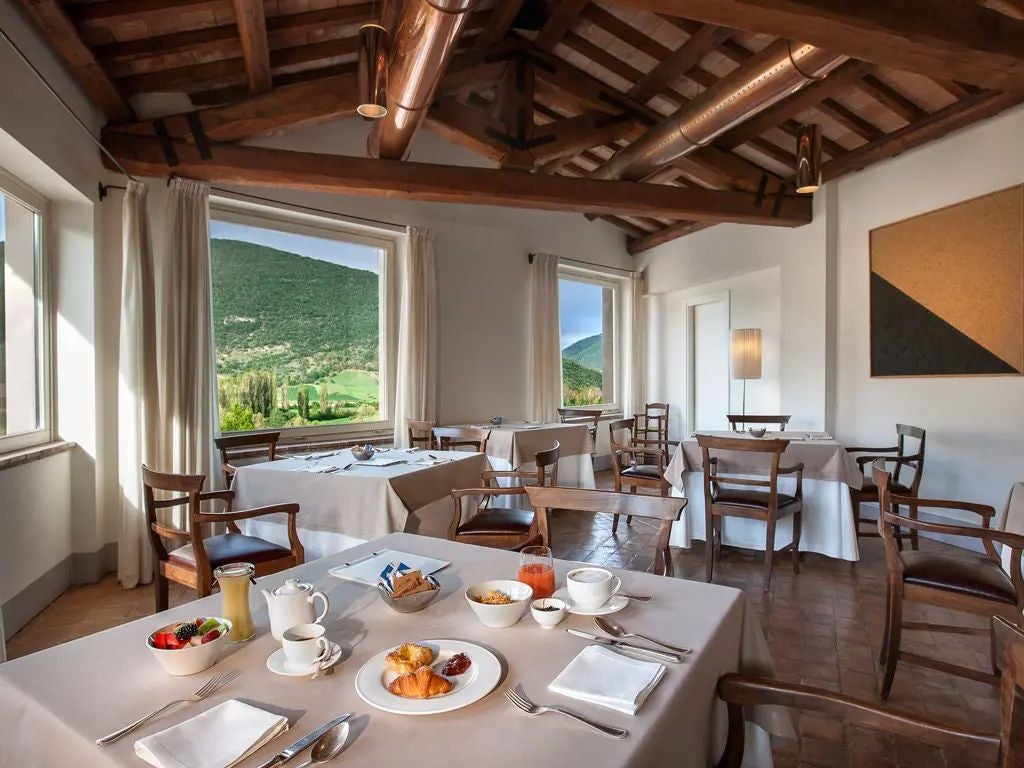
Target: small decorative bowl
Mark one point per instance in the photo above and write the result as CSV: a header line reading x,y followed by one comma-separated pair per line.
x,y
500,616
363,452
410,603
497,420
191,659
548,611
758,432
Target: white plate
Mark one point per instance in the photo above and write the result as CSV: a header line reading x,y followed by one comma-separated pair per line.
x,y
278,664
472,685
614,605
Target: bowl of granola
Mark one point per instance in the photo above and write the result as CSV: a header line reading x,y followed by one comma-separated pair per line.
x,y
499,603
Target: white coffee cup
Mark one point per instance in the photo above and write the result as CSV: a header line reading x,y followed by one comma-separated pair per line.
x,y
305,645
591,587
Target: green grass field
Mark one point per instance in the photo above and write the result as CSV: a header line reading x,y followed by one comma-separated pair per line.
x,y
344,387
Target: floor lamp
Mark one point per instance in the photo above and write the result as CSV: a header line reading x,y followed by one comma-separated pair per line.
x,y
745,348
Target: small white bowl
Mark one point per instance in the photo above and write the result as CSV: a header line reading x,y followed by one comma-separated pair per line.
x,y
500,616
548,619
192,659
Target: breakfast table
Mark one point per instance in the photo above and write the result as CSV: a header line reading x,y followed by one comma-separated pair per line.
x,y
55,703
829,473
340,507
515,444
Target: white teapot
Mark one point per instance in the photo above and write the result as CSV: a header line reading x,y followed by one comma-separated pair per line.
x,y
292,604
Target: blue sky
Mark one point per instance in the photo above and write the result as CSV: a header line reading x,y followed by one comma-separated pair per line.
x,y
346,254
580,308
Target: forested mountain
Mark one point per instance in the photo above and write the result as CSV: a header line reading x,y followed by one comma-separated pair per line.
x,y
587,352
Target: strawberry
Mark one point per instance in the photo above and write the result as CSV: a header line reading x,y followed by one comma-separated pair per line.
x,y
212,635
166,641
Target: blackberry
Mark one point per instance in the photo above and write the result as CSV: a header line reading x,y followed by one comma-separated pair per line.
x,y
186,631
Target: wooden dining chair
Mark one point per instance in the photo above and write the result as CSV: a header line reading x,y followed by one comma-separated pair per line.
x,y
450,438
582,416
908,457
504,527
665,510
738,420
722,498
652,425
193,563
1004,749
636,462
232,447
967,581
421,434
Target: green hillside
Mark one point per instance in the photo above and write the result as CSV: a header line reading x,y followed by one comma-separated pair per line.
x,y
576,376
587,352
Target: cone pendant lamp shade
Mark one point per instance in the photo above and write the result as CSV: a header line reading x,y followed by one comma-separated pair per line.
x,y
808,159
373,71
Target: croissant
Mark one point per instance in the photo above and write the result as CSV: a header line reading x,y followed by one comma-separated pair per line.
x,y
408,657
421,684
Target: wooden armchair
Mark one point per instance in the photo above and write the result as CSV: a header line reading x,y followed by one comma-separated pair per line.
x,y
193,563
231,445
1004,749
906,463
664,510
421,434
722,498
449,438
968,582
737,420
582,416
504,527
636,462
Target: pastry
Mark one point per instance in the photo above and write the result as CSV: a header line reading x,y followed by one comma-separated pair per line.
x,y
421,684
409,583
408,657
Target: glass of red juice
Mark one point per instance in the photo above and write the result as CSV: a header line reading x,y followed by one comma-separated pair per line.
x,y
537,569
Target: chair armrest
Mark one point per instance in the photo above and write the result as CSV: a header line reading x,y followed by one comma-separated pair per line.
x,y
857,449
167,532
245,514
984,511
1011,540
217,495
862,460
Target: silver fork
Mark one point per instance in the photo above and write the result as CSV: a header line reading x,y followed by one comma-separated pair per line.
x,y
212,685
523,703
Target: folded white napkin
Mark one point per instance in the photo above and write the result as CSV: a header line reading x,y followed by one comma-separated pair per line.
x,y
599,675
217,738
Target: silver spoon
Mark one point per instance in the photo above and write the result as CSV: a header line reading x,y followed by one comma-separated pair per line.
x,y
615,629
328,746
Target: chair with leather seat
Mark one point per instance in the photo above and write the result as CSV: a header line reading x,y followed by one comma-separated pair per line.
x,y
906,477
193,563
504,527
636,462
970,582
233,447
727,494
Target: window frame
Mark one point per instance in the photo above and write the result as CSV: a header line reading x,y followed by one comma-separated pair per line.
x,y
617,285
14,188
284,218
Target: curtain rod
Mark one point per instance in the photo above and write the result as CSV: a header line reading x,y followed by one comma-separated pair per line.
x,y
589,264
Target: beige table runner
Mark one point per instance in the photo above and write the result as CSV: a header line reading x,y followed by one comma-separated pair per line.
x,y
518,442
53,704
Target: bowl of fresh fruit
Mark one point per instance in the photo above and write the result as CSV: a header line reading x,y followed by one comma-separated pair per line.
x,y
188,647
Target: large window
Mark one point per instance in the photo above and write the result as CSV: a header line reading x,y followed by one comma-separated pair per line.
x,y
300,312
23,337
587,314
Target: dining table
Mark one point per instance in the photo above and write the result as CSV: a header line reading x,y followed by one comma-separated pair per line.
x,y
829,473
344,502
515,445
55,703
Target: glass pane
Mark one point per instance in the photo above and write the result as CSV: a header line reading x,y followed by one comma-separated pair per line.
x,y
585,312
296,328
20,338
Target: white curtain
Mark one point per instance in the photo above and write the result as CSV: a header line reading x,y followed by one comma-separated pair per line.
x,y
417,334
187,378
545,372
636,379
137,393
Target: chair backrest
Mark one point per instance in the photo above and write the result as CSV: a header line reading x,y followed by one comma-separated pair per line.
x,y
421,433
232,445
547,465
620,437
664,509
910,450
737,420
447,438
187,489
580,416
714,479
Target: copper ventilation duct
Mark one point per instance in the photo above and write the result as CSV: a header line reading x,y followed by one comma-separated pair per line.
x,y
779,70
423,42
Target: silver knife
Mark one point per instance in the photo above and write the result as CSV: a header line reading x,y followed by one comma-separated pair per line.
x,y
292,750
663,655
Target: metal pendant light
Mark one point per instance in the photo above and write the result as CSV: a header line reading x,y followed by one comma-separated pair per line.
x,y
373,71
808,159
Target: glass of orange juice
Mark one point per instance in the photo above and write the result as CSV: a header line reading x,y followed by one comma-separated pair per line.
x,y
537,569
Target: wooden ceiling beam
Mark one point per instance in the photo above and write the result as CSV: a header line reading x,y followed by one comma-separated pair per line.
x,y
252,31
956,38
662,236
60,32
467,127
851,120
499,22
680,61
892,99
108,12
261,167
631,229
571,136
565,14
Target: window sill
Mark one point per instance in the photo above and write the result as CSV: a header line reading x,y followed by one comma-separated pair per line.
x,y
35,453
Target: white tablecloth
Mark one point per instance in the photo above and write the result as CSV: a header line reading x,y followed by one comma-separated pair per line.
x,y
515,444
827,511
53,704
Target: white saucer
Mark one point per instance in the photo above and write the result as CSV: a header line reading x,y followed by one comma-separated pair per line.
x,y
615,604
278,664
